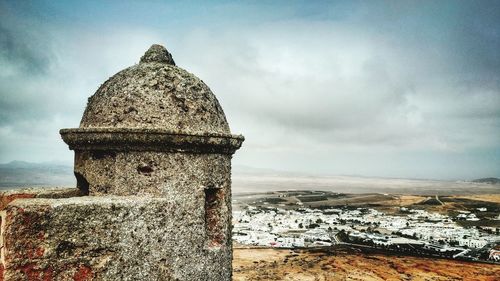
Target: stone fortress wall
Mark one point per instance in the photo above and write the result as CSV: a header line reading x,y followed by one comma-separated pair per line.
x,y
153,198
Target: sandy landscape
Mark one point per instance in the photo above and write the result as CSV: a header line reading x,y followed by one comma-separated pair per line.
x,y
265,182
321,265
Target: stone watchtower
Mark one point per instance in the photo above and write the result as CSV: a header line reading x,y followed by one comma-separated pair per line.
x,y
156,130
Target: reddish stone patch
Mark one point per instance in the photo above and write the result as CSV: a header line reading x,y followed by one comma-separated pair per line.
x,y
24,236
84,273
213,200
28,219
39,252
1,272
35,274
5,200
32,252
48,274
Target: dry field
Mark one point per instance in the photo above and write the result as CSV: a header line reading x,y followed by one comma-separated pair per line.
x,y
262,182
493,198
387,203
274,264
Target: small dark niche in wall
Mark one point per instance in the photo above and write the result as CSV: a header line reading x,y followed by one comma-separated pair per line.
x,y
82,183
102,154
145,169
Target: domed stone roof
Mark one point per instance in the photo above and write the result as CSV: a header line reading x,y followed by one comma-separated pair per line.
x,y
153,106
156,94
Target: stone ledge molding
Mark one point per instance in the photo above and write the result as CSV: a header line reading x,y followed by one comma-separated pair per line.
x,y
145,139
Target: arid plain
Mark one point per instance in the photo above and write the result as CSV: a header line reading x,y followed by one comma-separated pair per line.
x,y
320,265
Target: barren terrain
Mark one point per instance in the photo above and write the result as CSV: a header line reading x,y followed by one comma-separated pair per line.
x,y
388,203
318,265
265,182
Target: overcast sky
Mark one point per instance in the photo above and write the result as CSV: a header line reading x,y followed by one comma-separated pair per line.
x,y
387,88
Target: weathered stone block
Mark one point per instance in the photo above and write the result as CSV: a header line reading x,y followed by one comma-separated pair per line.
x,y
8,196
157,174
111,238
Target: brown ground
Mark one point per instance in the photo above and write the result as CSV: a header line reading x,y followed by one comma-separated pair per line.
x,y
274,264
494,198
408,200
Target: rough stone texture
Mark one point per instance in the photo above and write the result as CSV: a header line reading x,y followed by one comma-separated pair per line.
x,y
135,139
111,238
155,94
170,175
157,53
7,196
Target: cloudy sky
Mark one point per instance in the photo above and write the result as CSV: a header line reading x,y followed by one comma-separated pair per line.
x,y
387,88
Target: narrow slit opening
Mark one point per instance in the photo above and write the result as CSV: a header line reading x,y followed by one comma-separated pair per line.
x,y
213,224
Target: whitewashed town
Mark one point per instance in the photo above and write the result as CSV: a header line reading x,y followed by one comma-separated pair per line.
x,y
412,230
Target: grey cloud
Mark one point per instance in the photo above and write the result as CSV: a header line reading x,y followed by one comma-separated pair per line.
x,y
367,92
374,83
45,79
26,59
22,48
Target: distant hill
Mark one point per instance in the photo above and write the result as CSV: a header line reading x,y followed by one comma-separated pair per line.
x,y
25,174
488,180
17,174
